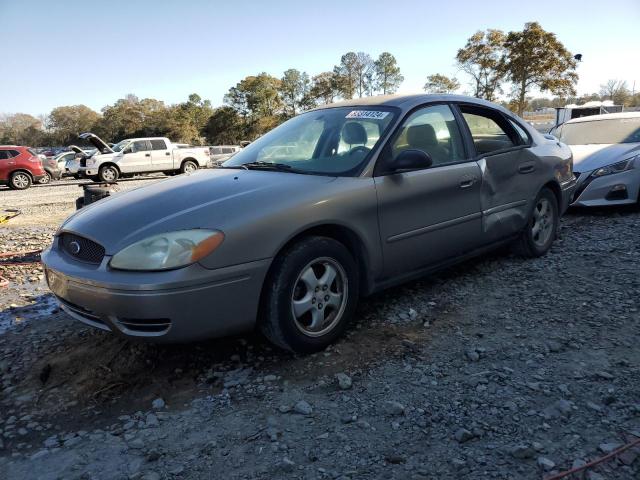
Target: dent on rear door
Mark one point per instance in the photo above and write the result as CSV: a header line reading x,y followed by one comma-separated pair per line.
x,y
509,182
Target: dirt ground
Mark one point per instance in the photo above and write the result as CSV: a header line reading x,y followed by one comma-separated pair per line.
x,y
498,368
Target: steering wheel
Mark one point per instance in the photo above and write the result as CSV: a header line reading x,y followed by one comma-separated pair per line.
x,y
359,148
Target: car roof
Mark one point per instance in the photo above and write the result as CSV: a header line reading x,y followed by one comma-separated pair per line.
x,y
12,146
410,101
605,116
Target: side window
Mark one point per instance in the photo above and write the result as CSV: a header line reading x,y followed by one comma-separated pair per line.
x,y
15,153
4,154
227,150
158,144
524,138
139,146
216,151
489,130
433,130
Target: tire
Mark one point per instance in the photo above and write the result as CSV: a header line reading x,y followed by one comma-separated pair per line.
x,y
295,284
20,181
79,203
542,227
46,179
108,174
188,166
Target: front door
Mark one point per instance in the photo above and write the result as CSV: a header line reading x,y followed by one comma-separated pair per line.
x,y
430,215
510,171
137,157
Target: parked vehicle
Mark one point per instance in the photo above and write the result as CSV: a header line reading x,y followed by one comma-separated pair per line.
x,y
20,167
73,159
139,155
606,156
369,193
52,170
221,153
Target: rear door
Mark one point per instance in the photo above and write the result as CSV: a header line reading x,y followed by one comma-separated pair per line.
x,y
161,157
137,157
4,164
431,215
509,170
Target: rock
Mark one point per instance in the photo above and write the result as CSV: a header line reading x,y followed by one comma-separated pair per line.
x,y
522,452
608,447
285,408
151,420
394,459
605,375
287,465
472,355
151,475
546,464
393,408
303,408
39,454
270,378
344,381
158,404
591,475
463,435
554,346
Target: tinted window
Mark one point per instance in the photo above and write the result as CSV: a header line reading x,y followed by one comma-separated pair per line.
x,y
15,153
4,154
488,130
215,150
158,145
434,131
140,146
227,150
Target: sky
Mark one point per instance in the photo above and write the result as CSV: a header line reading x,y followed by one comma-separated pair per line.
x,y
69,52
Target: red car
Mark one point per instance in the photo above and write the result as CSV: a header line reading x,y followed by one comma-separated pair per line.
x,y
19,167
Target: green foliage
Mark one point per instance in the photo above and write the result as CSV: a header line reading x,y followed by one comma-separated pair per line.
x,y
225,127
19,129
481,59
387,74
438,83
67,122
294,90
534,57
325,88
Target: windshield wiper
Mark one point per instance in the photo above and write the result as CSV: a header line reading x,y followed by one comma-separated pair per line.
x,y
282,167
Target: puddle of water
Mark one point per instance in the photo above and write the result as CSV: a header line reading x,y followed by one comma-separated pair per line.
x,y
44,306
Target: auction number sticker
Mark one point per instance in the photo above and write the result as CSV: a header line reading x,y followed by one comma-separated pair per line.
x,y
369,114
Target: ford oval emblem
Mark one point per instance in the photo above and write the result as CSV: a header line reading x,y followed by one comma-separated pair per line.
x,y
74,247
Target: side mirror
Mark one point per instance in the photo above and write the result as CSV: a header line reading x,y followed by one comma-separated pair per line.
x,y
411,160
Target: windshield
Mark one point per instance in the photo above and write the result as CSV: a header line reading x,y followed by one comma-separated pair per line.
x,y
120,145
332,141
618,130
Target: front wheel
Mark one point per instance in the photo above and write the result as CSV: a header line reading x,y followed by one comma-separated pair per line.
x,y
310,295
189,167
542,228
19,181
108,174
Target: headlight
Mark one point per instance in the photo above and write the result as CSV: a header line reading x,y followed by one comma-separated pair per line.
x,y
168,250
615,168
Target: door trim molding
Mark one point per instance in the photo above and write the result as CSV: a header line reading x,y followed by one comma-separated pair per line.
x,y
503,207
434,227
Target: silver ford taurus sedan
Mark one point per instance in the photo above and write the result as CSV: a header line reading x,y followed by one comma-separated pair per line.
x,y
606,155
333,205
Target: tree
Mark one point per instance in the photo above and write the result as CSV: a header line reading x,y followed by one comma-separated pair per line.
x,y
186,121
325,88
534,57
439,83
387,74
132,117
617,91
225,127
20,129
294,90
66,123
346,75
481,59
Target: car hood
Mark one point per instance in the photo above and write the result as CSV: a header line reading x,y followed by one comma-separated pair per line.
x,y
590,157
97,142
76,149
206,199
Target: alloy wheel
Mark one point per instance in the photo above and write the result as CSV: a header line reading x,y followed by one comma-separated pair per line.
x,y
21,180
319,296
109,174
543,220
45,179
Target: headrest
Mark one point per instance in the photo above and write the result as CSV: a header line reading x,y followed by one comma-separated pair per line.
x,y
422,135
354,133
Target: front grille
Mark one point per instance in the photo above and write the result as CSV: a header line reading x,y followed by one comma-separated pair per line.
x,y
82,248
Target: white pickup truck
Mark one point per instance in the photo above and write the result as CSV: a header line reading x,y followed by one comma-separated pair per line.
x,y
139,155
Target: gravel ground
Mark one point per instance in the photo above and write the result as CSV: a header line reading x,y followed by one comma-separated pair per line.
x,y
498,368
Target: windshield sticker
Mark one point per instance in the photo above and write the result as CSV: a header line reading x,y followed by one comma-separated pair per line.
x,y
371,114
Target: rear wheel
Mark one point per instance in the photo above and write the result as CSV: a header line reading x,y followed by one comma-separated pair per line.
x,y
310,295
45,179
189,166
19,181
542,228
108,173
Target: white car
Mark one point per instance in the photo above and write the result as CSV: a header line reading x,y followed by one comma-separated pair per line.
x,y
222,153
140,155
606,158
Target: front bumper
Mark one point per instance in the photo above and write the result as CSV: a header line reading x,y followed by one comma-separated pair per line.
x,y
567,190
615,189
187,304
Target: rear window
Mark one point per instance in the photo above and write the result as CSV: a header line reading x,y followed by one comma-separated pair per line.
x,y
618,130
15,153
158,145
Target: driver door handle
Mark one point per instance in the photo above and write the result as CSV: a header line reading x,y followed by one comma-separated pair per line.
x,y
526,168
467,182
147,154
